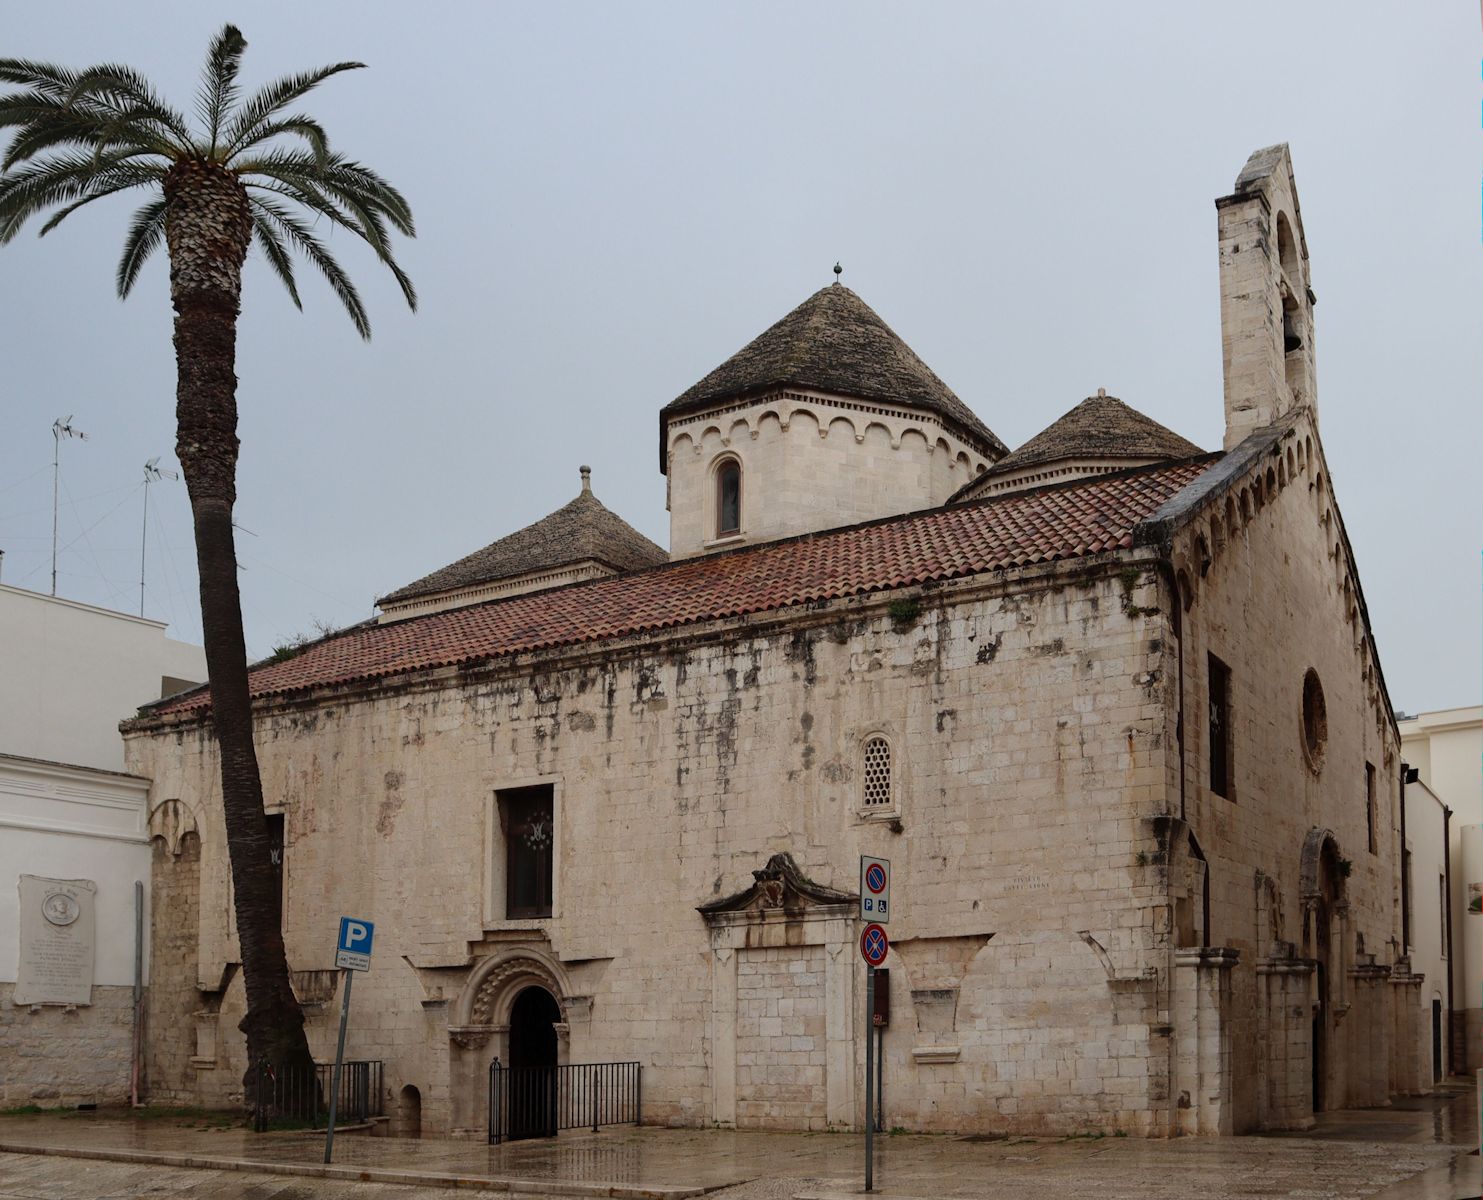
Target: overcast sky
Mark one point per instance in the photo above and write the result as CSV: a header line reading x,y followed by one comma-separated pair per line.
x,y
612,198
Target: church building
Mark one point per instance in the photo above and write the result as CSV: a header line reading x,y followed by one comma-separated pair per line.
x,y
1108,702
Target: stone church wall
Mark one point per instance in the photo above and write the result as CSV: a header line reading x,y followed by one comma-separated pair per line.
x,y
1273,595
1028,722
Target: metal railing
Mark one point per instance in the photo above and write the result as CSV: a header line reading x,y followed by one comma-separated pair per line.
x,y
295,1095
526,1102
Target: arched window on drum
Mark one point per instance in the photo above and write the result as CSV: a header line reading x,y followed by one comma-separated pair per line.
x,y
728,498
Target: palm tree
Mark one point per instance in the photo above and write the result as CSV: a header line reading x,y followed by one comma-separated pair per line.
x,y
249,170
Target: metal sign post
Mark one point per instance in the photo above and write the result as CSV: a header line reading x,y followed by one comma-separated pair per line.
x,y
875,908
869,1072
874,946
352,954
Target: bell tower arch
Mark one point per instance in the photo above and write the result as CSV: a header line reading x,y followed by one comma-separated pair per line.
x,y
1266,297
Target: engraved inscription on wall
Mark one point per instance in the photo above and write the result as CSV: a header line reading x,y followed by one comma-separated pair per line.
x,y
57,924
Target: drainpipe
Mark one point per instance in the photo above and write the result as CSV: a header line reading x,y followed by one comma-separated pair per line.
x,y
137,1047
1452,1068
1405,891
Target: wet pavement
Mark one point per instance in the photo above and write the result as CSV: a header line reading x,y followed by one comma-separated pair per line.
x,y
1414,1150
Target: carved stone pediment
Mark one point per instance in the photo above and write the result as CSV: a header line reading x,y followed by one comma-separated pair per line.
x,y
778,887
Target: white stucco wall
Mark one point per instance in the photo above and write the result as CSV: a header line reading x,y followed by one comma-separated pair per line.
x,y
74,824
1426,840
73,671
1446,748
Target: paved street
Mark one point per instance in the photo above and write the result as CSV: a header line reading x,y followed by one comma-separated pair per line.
x,y
1405,1152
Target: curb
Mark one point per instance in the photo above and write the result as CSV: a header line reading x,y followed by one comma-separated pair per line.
x,y
483,1183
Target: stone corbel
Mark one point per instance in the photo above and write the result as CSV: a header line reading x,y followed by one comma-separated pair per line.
x,y
578,1009
314,989
474,1037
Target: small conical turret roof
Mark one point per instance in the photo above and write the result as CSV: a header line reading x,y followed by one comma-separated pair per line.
x,y
834,342
582,531
1101,426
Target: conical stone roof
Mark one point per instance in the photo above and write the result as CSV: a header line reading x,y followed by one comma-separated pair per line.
x,y
1101,426
834,342
584,530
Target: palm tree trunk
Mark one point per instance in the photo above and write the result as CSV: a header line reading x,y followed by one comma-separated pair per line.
x,y
207,230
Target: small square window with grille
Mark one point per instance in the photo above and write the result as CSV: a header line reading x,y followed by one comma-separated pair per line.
x,y
877,773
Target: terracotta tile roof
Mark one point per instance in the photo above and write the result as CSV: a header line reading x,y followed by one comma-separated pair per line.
x,y
835,342
581,530
1017,530
1099,427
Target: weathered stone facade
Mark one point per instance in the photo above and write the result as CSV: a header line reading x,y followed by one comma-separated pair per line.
x,y
57,1056
1104,919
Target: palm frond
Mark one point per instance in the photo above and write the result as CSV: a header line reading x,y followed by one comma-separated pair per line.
x,y
146,231
274,98
123,87
304,240
373,229
44,77
98,137
60,179
371,186
218,92
305,127
337,174
275,251
96,193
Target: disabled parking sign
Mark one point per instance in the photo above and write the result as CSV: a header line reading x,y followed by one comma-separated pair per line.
x,y
353,950
875,889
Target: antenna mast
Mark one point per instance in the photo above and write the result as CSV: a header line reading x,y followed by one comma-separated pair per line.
x,y
152,471
60,428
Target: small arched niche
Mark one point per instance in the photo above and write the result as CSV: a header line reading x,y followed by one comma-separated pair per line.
x,y
409,1112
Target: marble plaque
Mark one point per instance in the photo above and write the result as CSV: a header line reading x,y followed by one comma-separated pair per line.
x,y
57,926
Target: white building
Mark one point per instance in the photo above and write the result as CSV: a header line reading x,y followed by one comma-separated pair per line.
x,y
68,812
1446,749
1428,930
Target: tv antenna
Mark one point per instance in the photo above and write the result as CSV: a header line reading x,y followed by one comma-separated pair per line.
x,y
60,428
152,471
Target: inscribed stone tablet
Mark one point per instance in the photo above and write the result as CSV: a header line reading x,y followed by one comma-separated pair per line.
x,y
57,924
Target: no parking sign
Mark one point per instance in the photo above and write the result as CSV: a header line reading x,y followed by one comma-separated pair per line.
x,y
875,889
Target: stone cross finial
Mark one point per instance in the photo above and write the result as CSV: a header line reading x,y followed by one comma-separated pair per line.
x,y
586,478
1102,392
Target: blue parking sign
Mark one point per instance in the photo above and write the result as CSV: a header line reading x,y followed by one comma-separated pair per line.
x,y
353,950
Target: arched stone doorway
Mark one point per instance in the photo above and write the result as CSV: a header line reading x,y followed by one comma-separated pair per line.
x,y
530,1093
483,1028
1325,919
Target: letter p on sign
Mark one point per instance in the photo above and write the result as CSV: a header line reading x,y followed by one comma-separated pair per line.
x,y
353,950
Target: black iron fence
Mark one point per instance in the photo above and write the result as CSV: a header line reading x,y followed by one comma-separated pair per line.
x,y
526,1102
294,1096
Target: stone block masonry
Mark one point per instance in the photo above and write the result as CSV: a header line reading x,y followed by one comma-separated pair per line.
x,y
60,1056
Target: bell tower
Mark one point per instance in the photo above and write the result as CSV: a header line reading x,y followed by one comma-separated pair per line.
x,y
1266,297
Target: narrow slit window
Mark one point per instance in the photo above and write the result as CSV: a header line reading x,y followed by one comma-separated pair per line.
x,y
1221,760
1370,813
877,774
728,498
